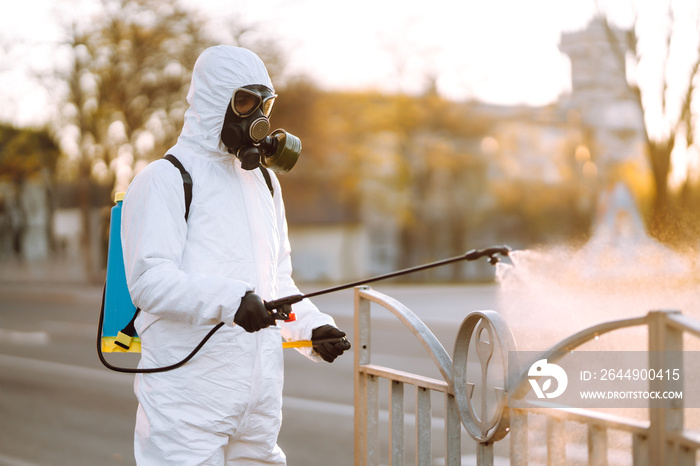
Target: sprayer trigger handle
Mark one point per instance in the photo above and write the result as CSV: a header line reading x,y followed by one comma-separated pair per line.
x,y
281,302
281,311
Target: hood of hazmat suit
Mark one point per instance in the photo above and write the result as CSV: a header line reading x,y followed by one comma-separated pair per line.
x,y
187,276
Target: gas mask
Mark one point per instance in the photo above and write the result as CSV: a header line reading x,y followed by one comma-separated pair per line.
x,y
246,127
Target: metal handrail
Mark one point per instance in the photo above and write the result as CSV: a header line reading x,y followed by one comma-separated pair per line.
x,y
406,377
431,344
572,342
684,323
586,416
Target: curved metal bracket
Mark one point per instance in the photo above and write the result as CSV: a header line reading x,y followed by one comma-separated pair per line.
x,y
429,341
491,335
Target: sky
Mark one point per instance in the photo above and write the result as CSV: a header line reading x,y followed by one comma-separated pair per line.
x,y
498,51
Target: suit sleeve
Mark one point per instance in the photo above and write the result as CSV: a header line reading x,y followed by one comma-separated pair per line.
x,y
154,234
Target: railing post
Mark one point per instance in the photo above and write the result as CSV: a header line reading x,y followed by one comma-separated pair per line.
x,y
597,445
556,442
372,420
665,352
686,457
453,430
361,350
423,427
396,423
518,438
640,450
484,454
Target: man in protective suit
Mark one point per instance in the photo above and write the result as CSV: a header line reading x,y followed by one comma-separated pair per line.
x,y
218,265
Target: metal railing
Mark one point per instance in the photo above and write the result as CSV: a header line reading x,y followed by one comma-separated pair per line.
x,y
662,440
457,393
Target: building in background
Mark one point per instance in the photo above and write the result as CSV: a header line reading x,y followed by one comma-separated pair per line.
x,y
579,142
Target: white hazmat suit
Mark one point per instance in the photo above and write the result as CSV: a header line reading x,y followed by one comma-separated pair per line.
x,y
224,406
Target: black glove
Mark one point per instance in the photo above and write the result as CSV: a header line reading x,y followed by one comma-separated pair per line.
x,y
252,315
329,342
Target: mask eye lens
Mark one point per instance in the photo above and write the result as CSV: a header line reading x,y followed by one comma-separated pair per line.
x,y
267,106
245,103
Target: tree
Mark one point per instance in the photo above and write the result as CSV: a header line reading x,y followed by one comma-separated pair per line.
x,y
24,154
125,93
665,53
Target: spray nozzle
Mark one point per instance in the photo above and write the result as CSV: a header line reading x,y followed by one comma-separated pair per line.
x,y
491,253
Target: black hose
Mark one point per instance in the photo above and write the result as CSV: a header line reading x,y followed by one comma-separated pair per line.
x,y
152,370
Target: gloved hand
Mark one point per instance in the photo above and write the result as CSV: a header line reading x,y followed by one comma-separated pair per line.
x,y
252,315
335,343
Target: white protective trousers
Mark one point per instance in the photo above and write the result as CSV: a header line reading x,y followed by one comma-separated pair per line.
x,y
224,406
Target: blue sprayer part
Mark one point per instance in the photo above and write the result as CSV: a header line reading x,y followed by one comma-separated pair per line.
x,y
118,308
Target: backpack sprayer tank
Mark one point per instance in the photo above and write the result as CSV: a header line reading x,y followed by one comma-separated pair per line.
x,y
118,308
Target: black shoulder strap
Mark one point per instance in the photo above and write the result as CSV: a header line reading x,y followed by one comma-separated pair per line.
x,y
186,182
268,180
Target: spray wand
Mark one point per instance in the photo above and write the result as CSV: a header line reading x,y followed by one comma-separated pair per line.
x,y
281,308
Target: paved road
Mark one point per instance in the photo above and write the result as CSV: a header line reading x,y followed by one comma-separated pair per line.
x,y
59,406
